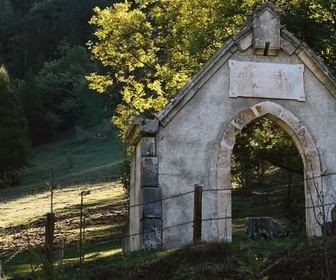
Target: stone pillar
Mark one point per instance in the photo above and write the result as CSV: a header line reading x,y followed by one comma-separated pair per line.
x,y
145,196
151,218
151,195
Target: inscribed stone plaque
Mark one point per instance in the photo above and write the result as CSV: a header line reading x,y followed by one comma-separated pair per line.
x,y
266,80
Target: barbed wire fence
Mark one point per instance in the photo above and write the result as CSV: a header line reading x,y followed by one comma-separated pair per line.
x,y
195,222
198,219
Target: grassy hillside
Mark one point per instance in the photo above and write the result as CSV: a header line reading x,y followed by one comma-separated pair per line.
x,y
82,161
81,157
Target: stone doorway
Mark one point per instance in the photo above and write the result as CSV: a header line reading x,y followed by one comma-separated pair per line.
x,y
267,183
299,133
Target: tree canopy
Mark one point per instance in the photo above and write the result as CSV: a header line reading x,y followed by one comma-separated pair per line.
x,y
58,98
149,48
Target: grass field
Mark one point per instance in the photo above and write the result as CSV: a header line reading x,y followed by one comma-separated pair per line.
x,y
82,161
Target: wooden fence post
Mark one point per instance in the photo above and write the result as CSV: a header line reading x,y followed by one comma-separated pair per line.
x,y
197,233
48,246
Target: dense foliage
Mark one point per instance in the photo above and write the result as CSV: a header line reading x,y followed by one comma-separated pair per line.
x,y
143,52
150,48
42,44
260,146
31,30
15,146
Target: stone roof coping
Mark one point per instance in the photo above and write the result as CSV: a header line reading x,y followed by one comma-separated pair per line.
x,y
142,127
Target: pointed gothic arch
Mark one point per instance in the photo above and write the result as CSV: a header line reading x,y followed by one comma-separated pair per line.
x,y
305,145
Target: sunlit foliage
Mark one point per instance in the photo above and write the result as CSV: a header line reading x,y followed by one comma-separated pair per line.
x,y
150,48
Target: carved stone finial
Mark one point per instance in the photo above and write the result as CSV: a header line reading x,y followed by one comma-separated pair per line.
x,y
266,30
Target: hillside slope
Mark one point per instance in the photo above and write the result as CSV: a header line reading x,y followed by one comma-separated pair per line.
x,y
86,161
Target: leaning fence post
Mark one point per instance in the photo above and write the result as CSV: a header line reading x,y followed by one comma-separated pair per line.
x,y
197,233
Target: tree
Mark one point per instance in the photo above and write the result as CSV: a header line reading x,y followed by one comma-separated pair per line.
x,y
65,91
40,127
258,147
264,154
31,30
149,48
315,23
15,147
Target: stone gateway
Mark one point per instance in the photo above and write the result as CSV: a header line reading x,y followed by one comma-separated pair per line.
x,y
261,72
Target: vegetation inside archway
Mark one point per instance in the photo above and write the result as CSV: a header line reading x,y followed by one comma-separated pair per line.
x,y
267,177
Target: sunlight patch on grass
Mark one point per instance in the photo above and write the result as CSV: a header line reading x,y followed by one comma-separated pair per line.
x,y
102,254
23,220
76,167
27,209
100,231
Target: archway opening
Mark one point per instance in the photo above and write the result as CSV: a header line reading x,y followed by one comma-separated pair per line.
x,y
267,179
298,132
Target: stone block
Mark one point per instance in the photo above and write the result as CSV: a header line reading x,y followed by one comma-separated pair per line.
x,y
148,147
149,172
152,233
264,228
140,128
245,43
152,202
266,30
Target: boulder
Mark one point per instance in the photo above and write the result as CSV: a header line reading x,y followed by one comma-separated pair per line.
x,y
265,228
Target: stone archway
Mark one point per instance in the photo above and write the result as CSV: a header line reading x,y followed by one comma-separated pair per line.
x,y
305,145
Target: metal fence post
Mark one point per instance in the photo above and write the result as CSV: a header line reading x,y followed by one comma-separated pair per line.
x,y
197,233
82,235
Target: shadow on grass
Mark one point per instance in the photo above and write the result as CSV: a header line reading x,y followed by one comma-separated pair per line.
x,y
268,259
71,163
272,259
100,244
